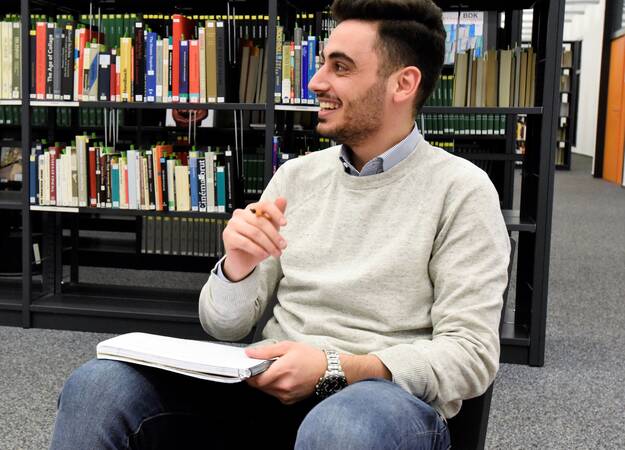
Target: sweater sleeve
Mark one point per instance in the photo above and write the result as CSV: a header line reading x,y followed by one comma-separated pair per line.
x,y
468,271
228,311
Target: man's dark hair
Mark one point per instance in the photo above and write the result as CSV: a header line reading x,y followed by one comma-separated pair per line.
x,y
410,33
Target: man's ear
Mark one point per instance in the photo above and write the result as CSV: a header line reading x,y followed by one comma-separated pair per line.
x,y
407,83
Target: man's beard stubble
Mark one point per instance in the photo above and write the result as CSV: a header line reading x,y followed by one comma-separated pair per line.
x,y
362,118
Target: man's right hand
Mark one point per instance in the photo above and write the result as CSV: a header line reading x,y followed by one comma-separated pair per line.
x,y
250,238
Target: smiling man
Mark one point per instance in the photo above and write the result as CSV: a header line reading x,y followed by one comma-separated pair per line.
x,y
388,258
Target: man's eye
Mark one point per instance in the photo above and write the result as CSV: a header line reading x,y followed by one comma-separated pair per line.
x,y
340,67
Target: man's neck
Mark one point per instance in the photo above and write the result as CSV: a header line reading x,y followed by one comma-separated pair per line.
x,y
375,145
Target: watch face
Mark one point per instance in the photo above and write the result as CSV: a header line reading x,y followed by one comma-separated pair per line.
x,y
330,384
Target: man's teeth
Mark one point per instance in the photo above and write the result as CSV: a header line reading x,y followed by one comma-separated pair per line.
x,y
327,105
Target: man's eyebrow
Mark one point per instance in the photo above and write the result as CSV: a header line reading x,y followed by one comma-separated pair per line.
x,y
338,55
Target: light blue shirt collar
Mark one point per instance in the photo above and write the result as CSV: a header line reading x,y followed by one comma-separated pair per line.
x,y
386,160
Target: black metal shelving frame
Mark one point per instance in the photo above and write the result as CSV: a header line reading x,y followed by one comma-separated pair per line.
x,y
573,100
52,304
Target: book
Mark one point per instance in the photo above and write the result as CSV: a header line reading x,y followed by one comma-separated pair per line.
x,y
204,360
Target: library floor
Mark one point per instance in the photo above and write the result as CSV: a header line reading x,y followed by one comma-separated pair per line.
x,y
574,402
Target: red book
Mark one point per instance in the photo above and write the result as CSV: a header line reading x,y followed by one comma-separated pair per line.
x,y
194,71
181,27
113,84
93,199
41,60
54,154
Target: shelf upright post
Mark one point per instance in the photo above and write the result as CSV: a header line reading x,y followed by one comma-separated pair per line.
x,y
270,110
538,178
25,111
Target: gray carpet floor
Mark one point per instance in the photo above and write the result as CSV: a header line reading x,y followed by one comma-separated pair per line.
x,y
574,402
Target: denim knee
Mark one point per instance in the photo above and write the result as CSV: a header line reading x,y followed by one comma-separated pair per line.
x,y
372,414
99,405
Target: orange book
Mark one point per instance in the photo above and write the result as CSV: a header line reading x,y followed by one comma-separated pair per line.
x,y
40,61
194,71
181,28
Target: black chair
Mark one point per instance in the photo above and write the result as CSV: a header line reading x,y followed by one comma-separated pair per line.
x,y
468,428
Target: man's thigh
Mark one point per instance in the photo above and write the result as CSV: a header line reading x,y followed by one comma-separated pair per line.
x,y
110,404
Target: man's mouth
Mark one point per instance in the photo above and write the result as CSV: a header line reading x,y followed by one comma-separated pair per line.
x,y
329,105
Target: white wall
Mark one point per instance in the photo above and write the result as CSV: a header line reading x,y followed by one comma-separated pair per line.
x,y
587,28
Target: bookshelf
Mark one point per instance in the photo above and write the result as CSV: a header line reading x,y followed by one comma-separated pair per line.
x,y
569,97
47,300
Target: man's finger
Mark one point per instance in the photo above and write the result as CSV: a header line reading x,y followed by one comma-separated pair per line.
x,y
268,351
281,204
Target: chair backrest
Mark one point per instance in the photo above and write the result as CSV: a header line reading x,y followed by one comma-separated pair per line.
x,y
468,428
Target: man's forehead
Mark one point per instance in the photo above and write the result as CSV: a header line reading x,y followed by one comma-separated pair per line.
x,y
355,38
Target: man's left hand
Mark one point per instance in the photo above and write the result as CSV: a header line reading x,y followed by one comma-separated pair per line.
x,y
293,376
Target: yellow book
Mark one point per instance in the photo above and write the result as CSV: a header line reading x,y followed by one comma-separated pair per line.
x,y
286,73
125,83
183,202
211,61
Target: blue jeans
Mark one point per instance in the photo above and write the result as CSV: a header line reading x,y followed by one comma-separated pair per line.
x,y
113,405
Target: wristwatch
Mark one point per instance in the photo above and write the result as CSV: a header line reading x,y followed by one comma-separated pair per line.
x,y
333,380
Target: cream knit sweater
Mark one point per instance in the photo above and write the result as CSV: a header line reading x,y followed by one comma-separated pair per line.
x,y
409,265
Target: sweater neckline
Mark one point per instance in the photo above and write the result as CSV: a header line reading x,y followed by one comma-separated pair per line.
x,y
381,179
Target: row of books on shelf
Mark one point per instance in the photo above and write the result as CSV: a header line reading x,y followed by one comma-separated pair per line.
x,y
499,78
161,179
462,124
186,236
10,58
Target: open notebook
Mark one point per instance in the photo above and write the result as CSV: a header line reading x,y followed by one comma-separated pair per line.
x,y
199,359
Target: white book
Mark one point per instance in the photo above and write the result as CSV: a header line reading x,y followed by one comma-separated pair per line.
x,y
205,360
210,159
132,156
83,173
159,70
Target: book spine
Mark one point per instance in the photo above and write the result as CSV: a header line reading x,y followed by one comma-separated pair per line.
x,y
201,163
138,66
183,85
17,61
278,66
221,62
41,60
50,61
150,181
67,63
104,77
33,64
159,71
57,75
194,71
150,67
115,183
193,181
93,173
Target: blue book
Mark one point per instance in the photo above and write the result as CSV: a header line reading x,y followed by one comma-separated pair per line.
x,y
32,179
221,189
312,65
150,67
184,71
193,181
304,74
115,183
